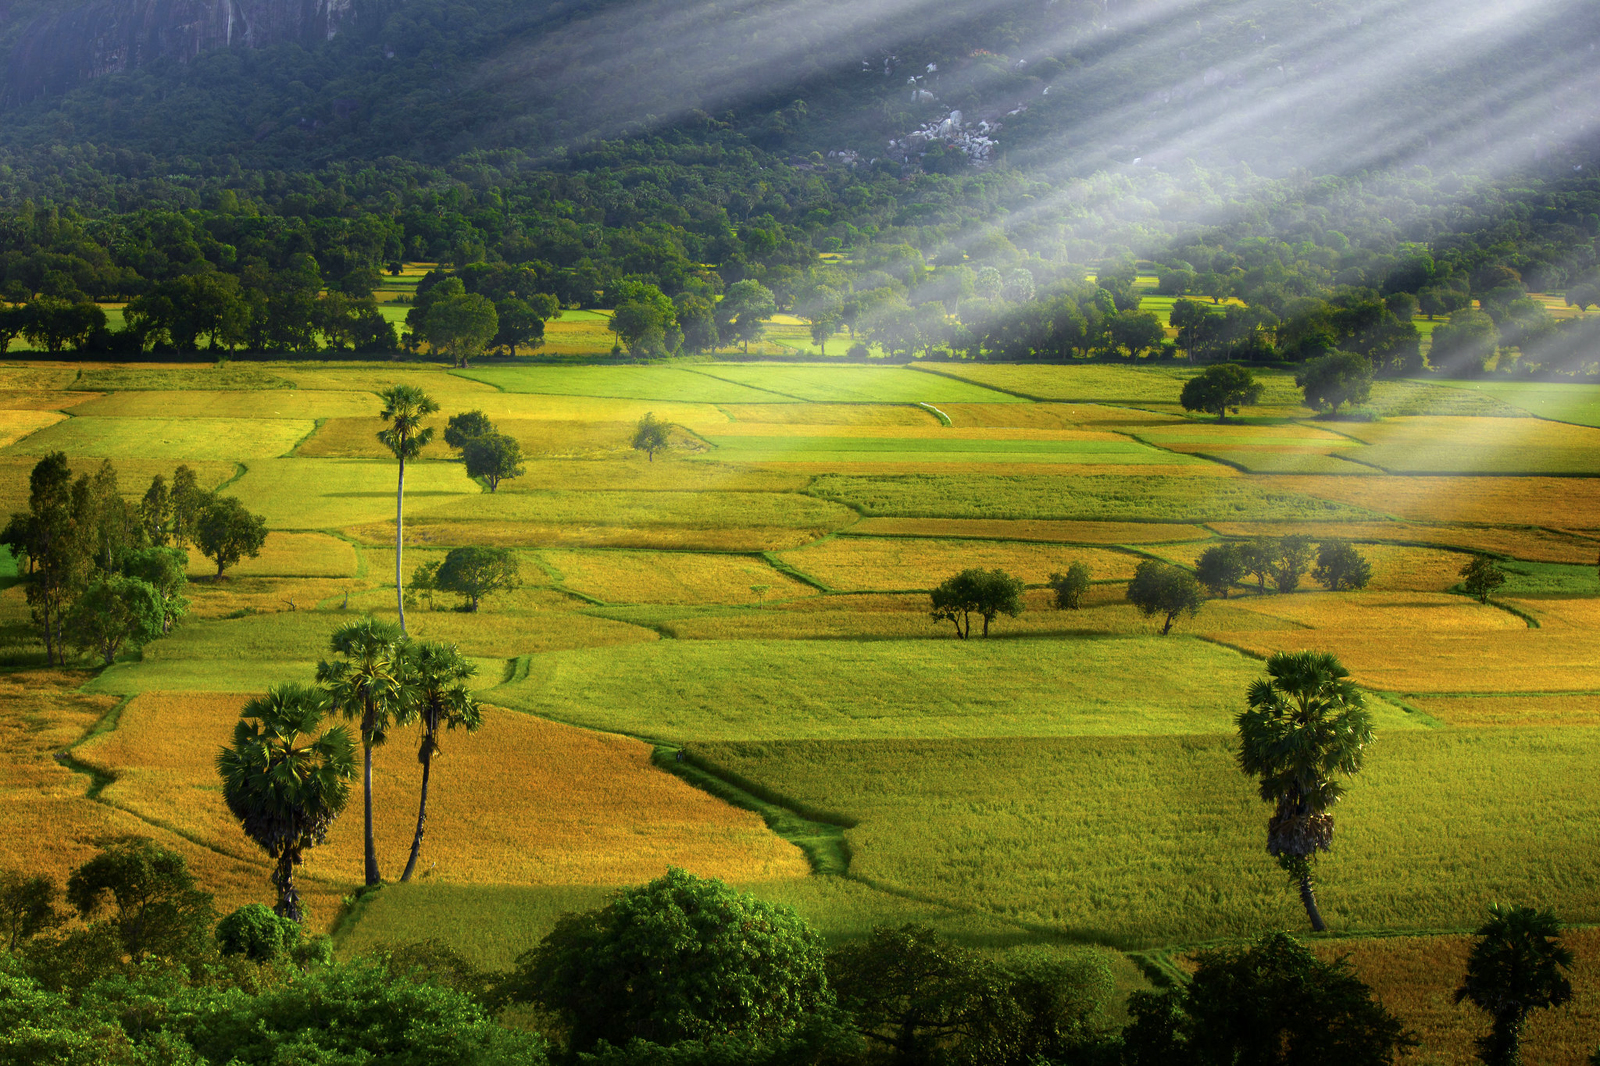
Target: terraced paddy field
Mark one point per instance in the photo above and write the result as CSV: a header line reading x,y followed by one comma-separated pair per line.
x,y
756,598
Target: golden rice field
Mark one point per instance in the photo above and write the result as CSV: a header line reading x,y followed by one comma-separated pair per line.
x,y
852,563
1552,502
1538,545
1053,532
829,414
1557,709
16,424
671,577
288,555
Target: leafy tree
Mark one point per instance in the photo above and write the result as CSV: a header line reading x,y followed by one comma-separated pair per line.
x,y
1071,586
284,782
1583,297
1219,567
461,326
987,593
643,325
1481,575
1515,967
1294,559
1338,378
1306,726
743,311
188,500
439,676
106,518
155,512
51,540
465,426
698,321
167,571
157,910
115,612
1159,589
55,323
404,408
476,572
27,907
519,324
368,684
1271,1004
1465,344
1220,388
257,933
225,532
493,457
1259,558
681,958
650,435
1340,567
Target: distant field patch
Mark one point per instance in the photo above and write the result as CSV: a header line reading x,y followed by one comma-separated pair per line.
x,y
1409,612
826,414
1106,384
287,555
1110,498
1539,545
1400,398
857,562
672,577
168,438
1561,402
1548,709
1561,612
1100,449
327,493
623,508
214,378
1560,503
1430,445
854,384
570,807
1063,532
703,690
1268,460
195,403
15,424
620,382
35,377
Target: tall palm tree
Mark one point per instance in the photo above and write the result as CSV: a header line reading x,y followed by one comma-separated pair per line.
x,y
404,408
1305,726
1514,969
440,677
284,782
369,684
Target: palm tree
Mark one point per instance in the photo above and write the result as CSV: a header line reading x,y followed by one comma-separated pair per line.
x,y
404,407
285,783
440,676
1514,969
369,685
1306,724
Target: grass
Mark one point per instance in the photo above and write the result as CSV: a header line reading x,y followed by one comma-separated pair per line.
x,y
1161,499
1579,404
671,577
714,690
857,563
1108,384
1538,545
17,424
288,555
826,414
952,449
168,438
215,404
670,384
1545,709
1059,532
1456,445
569,806
327,493
640,509
1141,840
854,384
230,377
1559,503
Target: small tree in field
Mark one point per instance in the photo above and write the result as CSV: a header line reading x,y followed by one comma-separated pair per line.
x,y
465,426
1517,966
1259,558
1340,567
1480,576
650,435
1219,389
987,593
493,457
115,612
225,532
1159,589
1294,559
1071,586
476,572
1334,379
1219,567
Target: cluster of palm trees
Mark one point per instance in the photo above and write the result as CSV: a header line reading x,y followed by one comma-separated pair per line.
x,y
287,778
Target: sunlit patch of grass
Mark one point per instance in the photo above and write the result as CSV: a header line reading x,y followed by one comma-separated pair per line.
x,y
853,384
228,377
1479,445
1544,709
1106,384
16,424
1554,502
168,438
287,555
672,577
824,414
327,493
198,403
1051,531
856,562
619,382
643,509
1538,545
1410,613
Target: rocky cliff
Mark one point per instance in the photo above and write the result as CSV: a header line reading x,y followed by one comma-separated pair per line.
x,y
64,47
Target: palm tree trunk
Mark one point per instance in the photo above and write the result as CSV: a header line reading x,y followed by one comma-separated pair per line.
x,y
283,879
399,602
422,813
1309,898
373,877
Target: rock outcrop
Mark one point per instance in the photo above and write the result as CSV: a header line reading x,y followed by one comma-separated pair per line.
x,y
67,47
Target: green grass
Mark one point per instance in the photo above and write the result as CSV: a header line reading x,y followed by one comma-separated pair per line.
x,y
624,508
168,438
1545,579
329,493
1135,841
770,449
263,403
755,689
1155,498
1397,398
854,384
1136,385
618,382
1554,400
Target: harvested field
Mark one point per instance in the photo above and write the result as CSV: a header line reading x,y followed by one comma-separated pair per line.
x,y
231,377
860,563
327,493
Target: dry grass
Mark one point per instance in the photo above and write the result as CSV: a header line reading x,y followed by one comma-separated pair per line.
x,y
945,437
209,598
1538,545
328,493
919,563
672,577
1180,467
15,424
1501,661
1054,532
1561,613
1541,710
38,376
1416,977
522,801
1554,502
830,414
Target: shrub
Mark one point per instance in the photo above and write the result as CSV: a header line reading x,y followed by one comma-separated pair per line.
x,y
256,933
1071,586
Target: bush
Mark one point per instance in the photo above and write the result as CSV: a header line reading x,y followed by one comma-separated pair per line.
x,y
256,933
1071,586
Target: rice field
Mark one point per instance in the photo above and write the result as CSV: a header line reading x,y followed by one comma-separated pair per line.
x,y
621,383
1559,503
168,438
854,384
859,563
671,577
330,493
836,450
1054,532
215,404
